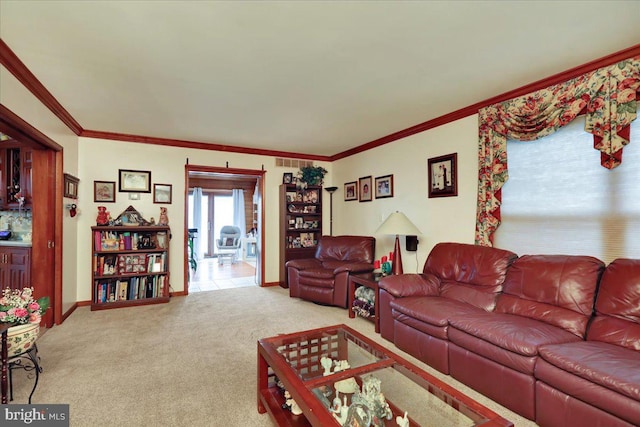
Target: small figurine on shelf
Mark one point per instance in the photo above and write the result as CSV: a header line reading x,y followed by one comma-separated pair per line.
x,y
164,219
103,216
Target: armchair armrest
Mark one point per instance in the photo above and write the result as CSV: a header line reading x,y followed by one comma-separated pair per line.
x,y
303,264
352,267
408,285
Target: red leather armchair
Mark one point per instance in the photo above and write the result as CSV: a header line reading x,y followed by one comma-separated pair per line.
x,y
324,279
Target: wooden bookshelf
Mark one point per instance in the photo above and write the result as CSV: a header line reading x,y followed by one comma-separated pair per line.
x,y
130,266
300,224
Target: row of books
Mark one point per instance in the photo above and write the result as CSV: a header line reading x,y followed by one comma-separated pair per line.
x,y
106,265
130,289
127,241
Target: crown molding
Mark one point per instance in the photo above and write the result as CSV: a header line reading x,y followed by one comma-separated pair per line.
x,y
473,109
197,145
16,67
12,63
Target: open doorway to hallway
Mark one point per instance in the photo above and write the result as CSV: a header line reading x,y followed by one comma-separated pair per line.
x,y
222,202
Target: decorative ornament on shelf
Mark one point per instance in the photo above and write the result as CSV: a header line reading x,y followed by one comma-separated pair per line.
x,y
103,216
164,219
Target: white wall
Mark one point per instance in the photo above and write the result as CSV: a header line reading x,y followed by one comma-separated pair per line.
x,y
100,160
439,219
19,100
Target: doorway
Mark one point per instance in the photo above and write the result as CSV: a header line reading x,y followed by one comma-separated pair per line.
x,y
229,200
46,188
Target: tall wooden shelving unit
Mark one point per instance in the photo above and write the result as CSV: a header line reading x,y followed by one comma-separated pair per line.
x,y
300,224
130,266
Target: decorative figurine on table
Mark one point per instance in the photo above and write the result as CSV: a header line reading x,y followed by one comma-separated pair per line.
x,y
164,219
293,406
339,410
103,216
372,398
326,363
403,422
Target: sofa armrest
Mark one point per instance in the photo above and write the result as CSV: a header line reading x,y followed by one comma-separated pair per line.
x,y
409,285
354,268
303,263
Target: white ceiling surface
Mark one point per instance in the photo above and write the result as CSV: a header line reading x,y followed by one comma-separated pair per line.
x,y
298,76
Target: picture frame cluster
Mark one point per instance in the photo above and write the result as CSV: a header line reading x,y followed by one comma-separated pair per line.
x,y
133,182
366,188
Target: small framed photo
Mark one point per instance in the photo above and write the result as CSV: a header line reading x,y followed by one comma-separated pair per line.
x,y
443,175
384,186
70,186
104,191
134,181
162,193
350,191
366,193
287,178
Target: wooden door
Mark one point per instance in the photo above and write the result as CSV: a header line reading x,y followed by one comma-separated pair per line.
x,y
43,275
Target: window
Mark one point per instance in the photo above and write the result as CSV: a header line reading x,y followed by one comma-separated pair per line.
x,y
559,200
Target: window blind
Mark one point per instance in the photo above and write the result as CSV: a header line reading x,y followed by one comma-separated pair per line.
x,y
559,200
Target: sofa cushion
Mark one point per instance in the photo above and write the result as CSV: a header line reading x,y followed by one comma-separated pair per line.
x,y
429,315
617,319
346,248
555,289
476,265
469,273
608,365
517,334
433,310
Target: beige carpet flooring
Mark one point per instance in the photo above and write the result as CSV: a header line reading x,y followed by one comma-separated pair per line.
x,y
191,362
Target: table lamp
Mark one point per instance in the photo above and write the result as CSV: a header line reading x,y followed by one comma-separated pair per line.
x,y
397,223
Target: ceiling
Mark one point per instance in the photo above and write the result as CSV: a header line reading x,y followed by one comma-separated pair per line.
x,y
298,76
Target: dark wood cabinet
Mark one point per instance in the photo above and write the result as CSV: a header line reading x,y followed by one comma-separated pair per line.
x,y
15,174
300,224
15,267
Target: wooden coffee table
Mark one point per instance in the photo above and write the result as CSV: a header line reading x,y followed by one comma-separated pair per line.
x,y
293,362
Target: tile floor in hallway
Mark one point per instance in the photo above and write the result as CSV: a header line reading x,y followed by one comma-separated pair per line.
x,y
211,275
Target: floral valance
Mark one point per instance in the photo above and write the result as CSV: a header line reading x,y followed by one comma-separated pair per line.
x,y
607,96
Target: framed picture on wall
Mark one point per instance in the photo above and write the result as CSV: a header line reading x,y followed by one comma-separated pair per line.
x,y
134,181
70,186
365,189
104,191
443,175
162,193
384,186
287,178
350,191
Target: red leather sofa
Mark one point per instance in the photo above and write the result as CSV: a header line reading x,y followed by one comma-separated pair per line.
x,y
324,279
522,330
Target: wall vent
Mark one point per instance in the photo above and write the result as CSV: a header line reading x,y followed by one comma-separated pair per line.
x,y
292,163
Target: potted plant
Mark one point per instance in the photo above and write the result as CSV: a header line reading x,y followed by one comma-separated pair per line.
x,y
18,307
312,175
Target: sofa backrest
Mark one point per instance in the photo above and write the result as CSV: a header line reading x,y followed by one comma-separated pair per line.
x,y
617,319
346,248
469,273
556,289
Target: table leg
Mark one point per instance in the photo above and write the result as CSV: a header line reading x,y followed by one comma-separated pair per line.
x,y
263,380
3,376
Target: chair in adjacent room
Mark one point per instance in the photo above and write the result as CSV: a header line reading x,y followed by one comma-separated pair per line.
x,y
228,244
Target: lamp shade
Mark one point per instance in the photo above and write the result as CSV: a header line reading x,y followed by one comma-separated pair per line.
x,y
398,224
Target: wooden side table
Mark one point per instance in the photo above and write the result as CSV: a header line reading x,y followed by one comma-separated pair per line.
x,y
370,281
